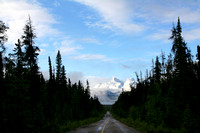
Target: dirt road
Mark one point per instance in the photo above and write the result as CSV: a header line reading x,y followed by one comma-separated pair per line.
x,y
107,125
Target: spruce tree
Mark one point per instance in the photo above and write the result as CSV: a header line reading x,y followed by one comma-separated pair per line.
x,y
69,83
9,67
33,76
50,69
157,70
183,89
163,67
181,53
63,76
169,67
87,90
58,67
19,54
31,51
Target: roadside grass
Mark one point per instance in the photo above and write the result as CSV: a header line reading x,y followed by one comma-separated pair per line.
x,y
72,125
145,127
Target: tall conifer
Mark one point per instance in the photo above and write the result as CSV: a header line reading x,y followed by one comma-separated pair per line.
x,y
50,69
157,70
58,67
19,54
31,51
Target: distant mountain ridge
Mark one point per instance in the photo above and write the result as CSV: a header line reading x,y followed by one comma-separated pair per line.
x,y
108,92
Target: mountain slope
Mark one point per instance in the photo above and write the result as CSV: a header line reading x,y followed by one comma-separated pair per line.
x,y
108,92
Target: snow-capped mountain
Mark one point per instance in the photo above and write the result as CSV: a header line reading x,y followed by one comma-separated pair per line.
x,y
113,84
129,82
108,92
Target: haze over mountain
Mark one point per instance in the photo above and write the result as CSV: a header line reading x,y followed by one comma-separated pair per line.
x,y
108,92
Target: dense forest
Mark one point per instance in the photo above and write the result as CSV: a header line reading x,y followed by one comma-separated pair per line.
x,y
28,102
168,97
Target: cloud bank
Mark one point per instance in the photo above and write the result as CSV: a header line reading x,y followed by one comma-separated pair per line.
x,y
138,16
15,13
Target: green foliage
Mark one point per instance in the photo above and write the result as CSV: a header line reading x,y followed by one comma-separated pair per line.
x,y
71,125
145,127
169,100
29,103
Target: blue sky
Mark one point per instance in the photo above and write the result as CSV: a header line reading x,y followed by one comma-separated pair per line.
x,y
99,39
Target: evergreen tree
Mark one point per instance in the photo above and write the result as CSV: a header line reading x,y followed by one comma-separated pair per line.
x,y
163,66
35,90
198,65
157,70
87,90
53,74
63,76
38,106
175,97
31,51
19,54
9,66
50,69
2,93
181,53
69,83
1,68
58,67
169,67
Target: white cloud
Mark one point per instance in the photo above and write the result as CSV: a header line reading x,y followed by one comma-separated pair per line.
x,y
92,57
44,45
192,34
188,35
76,76
136,59
116,14
43,52
68,47
15,13
56,3
90,40
100,24
89,57
168,11
94,80
160,35
45,73
137,16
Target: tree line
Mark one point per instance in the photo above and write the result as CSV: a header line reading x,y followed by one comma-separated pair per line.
x,y
169,95
28,102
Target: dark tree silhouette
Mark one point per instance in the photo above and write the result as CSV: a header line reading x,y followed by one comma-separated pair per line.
x,y
58,67
167,100
31,51
28,103
20,61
